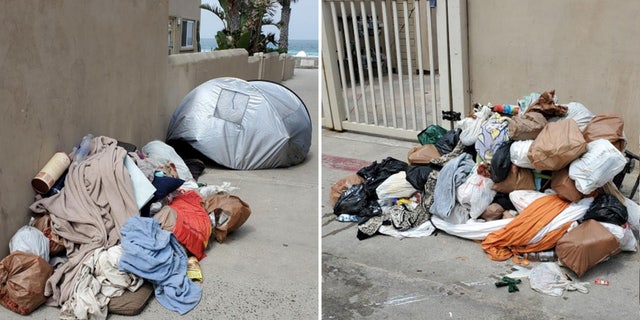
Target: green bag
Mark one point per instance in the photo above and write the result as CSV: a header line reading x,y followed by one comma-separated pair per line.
x,y
431,134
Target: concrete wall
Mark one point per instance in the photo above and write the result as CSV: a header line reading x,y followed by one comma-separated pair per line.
x,y
585,49
189,9
68,68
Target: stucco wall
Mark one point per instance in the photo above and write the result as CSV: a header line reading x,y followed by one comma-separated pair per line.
x,y
585,49
185,9
68,68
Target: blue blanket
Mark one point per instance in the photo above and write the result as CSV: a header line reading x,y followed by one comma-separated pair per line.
x,y
156,255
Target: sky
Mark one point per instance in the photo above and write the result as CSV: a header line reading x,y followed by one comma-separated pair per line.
x,y
302,26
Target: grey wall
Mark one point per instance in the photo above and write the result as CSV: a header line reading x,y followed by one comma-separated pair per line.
x,y
585,49
68,68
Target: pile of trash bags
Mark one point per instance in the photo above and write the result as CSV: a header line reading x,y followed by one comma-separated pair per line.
x,y
519,179
114,227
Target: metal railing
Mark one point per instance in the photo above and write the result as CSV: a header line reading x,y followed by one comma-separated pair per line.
x,y
380,65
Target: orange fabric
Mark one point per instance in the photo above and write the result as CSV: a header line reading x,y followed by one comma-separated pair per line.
x,y
193,226
514,237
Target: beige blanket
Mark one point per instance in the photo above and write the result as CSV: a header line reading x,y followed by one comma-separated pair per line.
x,y
96,201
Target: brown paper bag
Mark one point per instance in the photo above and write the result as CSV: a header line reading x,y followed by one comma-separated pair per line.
x,y
565,186
557,145
23,277
585,246
342,185
526,126
230,212
423,154
518,179
606,126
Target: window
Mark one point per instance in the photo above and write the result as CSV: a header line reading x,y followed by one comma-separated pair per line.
x,y
187,34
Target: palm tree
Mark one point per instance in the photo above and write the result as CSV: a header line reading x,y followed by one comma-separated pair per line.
x,y
243,21
283,25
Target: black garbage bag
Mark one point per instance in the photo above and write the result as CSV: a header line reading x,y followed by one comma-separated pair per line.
x,y
376,173
448,141
607,208
503,200
417,175
501,162
356,201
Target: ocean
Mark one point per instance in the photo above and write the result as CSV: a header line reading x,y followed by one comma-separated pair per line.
x,y
310,47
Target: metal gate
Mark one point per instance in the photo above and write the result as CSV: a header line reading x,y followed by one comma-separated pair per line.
x,y
393,67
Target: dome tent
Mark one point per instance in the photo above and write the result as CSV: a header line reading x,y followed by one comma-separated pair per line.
x,y
243,124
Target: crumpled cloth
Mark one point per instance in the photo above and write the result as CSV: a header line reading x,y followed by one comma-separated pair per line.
x,y
452,175
156,255
98,281
88,212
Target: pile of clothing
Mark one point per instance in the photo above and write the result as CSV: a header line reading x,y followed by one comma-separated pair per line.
x,y
121,226
520,179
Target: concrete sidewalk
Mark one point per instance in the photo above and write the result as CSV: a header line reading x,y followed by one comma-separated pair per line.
x,y
441,276
268,269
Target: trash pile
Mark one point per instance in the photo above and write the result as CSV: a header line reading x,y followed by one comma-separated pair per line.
x,y
112,226
523,180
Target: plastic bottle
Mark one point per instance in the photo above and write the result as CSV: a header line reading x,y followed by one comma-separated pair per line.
x,y
506,109
82,150
542,256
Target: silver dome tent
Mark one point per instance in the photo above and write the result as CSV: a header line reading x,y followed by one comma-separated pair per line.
x,y
243,124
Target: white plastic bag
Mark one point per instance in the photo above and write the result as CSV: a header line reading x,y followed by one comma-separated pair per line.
x,y
29,239
624,235
599,165
578,112
521,199
547,278
472,230
633,215
162,152
518,153
395,186
476,193
471,126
